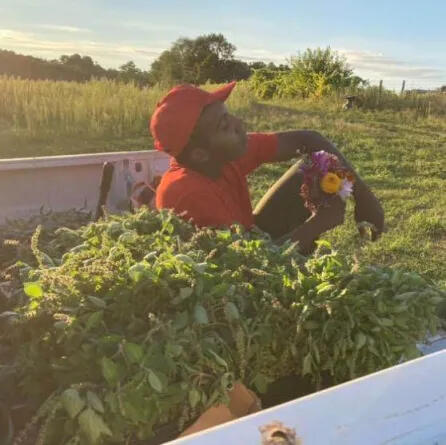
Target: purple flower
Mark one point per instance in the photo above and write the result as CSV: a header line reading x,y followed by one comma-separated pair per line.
x,y
321,160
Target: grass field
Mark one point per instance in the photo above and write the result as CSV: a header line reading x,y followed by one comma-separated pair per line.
x,y
399,152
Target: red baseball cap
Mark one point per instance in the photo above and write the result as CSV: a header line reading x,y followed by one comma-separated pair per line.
x,y
176,115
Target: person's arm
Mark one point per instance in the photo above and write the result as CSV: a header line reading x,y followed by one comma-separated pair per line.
x,y
261,148
326,218
292,144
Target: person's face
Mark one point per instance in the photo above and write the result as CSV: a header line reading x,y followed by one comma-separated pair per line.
x,y
223,133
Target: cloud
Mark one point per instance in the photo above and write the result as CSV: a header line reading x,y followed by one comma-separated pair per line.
x,y
109,54
62,28
370,65
261,55
377,65
150,26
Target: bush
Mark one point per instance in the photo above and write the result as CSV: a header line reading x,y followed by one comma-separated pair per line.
x,y
313,73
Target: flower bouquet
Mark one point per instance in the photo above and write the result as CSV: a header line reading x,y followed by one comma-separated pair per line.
x,y
323,177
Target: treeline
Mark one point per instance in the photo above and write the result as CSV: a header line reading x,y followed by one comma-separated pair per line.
x,y
68,67
207,58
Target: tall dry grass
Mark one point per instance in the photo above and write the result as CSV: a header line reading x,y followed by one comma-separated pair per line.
x,y
95,108
109,109
424,105
98,108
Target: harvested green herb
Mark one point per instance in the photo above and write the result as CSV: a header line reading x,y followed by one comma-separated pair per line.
x,y
148,321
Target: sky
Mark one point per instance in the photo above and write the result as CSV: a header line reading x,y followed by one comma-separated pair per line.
x,y
393,40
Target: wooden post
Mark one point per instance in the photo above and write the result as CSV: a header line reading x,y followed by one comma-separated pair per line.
x,y
403,87
380,92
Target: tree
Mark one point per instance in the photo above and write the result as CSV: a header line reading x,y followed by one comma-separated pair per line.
x,y
84,66
129,72
207,58
235,70
29,67
257,65
68,67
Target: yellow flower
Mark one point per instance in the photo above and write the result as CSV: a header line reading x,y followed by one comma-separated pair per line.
x,y
331,183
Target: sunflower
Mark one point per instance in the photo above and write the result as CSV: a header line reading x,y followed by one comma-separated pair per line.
x,y
331,183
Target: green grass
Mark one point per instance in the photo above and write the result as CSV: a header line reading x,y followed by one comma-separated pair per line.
x,y
402,159
401,155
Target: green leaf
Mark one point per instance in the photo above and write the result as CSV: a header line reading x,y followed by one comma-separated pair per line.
x,y
33,290
323,243
436,300
95,402
137,272
110,371
261,383
200,314
94,319
181,321
155,381
134,406
194,397
218,359
174,350
360,340
306,369
93,425
324,287
411,352
185,259
201,267
72,402
133,352
185,292
150,256
231,311
98,302
128,237
386,322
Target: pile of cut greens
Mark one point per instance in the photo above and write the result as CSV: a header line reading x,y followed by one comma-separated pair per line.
x,y
141,320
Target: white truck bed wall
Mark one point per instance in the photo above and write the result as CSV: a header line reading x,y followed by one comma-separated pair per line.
x,y
67,182
405,404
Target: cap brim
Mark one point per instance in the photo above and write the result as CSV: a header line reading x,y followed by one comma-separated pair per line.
x,y
222,93
158,145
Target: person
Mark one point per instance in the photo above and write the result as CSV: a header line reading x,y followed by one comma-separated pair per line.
x,y
211,155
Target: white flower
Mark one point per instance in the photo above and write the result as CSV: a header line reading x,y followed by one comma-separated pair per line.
x,y
346,189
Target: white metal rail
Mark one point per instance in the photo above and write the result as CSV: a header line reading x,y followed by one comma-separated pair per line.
x,y
405,404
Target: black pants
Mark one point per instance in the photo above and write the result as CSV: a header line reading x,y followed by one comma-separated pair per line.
x,y
282,208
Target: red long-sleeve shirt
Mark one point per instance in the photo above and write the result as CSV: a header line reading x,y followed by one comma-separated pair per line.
x,y
220,202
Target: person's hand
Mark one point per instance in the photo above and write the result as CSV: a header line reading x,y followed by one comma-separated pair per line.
x,y
327,217
368,209
330,215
